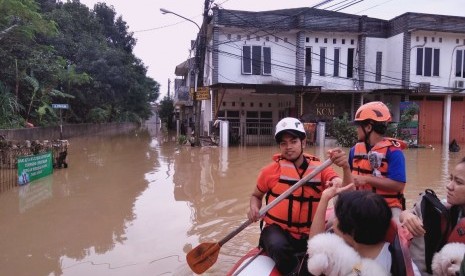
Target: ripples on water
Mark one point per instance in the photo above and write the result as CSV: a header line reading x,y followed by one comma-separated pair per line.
x,y
135,204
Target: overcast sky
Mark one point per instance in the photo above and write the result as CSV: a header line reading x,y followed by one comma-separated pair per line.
x,y
163,40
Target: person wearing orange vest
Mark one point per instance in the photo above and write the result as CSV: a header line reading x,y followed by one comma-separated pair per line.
x,y
287,224
434,223
377,162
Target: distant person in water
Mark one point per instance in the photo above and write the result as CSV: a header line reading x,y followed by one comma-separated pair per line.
x,y
454,146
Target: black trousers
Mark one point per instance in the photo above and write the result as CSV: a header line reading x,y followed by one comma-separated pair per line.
x,y
287,251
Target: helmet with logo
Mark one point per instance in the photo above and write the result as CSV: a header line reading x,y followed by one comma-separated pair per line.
x,y
290,126
375,111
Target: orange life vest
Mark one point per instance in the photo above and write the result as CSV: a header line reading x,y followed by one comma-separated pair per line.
x,y
295,213
458,233
361,166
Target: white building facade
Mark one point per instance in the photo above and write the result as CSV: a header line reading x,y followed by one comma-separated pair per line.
x,y
315,65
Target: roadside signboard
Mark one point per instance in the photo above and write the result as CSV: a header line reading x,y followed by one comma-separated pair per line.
x,y
203,93
60,106
34,167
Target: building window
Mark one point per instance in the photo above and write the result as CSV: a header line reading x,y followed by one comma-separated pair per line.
x,y
322,61
307,39
256,60
379,65
460,63
266,61
427,62
343,41
334,41
316,39
336,62
308,65
325,40
350,62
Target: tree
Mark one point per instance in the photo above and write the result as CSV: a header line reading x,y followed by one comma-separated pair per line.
x,y
166,111
51,48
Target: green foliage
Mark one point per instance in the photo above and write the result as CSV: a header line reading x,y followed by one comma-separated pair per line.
x,y
166,111
182,139
98,115
9,108
63,52
344,131
128,116
42,99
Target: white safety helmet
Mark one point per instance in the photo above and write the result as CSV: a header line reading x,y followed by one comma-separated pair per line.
x,y
289,125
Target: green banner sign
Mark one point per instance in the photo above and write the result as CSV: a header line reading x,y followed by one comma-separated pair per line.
x,y
34,167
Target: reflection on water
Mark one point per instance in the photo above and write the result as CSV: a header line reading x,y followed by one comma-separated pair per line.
x,y
137,203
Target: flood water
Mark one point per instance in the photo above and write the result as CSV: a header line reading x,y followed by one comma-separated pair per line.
x,y
135,204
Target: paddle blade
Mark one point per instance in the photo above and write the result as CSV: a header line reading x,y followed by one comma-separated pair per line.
x,y
203,257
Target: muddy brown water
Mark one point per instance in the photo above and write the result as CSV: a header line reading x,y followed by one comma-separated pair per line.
x,y
135,204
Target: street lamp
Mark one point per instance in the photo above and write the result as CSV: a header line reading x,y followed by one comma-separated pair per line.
x,y
197,69
165,11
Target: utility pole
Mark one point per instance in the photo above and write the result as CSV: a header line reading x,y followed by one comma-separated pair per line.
x,y
200,63
169,83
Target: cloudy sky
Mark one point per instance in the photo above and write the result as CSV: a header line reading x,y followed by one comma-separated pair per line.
x,y
163,40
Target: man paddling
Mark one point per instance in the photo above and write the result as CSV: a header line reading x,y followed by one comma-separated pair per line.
x,y
287,224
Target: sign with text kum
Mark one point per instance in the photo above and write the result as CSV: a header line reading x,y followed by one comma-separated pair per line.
x,y
203,93
60,106
34,167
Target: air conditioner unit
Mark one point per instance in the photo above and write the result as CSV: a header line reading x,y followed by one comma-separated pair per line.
x,y
424,87
459,84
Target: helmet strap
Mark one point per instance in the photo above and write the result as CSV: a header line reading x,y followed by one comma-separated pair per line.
x,y
367,136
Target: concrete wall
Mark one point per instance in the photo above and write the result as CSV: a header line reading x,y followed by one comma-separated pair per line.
x,y
72,130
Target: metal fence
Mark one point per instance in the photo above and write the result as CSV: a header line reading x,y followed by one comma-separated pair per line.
x,y
251,134
10,150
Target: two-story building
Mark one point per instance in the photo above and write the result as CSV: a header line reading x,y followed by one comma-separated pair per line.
x,y
316,64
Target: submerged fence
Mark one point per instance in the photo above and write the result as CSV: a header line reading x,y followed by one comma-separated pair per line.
x,y
10,150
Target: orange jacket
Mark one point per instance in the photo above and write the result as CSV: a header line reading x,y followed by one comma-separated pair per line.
x,y
295,213
361,165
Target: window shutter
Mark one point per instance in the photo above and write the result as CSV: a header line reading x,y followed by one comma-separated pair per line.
x,y
256,60
350,62
336,62
428,61
458,63
379,65
246,60
419,61
266,61
436,62
322,61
